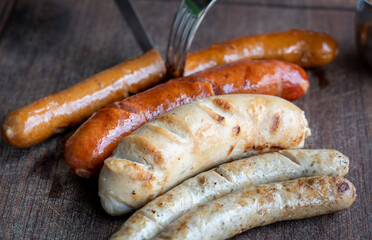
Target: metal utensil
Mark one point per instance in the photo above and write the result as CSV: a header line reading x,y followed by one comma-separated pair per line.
x,y
187,20
364,29
135,24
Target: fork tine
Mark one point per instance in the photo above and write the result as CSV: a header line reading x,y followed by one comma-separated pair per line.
x,y
173,33
185,23
185,43
189,38
187,34
179,38
179,41
182,37
177,21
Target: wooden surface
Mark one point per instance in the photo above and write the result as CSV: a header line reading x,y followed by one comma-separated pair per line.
x,y
49,45
6,8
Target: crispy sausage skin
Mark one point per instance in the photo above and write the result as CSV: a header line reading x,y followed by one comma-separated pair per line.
x,y
265,168
305,48
262,205
95,140
39,120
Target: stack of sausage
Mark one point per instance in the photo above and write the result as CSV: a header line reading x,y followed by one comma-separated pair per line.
x,y
234,197
208,130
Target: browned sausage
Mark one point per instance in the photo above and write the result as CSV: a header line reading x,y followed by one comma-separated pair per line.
x,y
95,140
39,120
305,48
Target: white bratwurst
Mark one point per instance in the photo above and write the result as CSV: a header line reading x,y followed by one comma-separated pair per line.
x,y
148,221
262,205
193,138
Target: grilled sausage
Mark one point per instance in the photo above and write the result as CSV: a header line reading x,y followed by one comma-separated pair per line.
x,y
262,205
285,165
39,120
95,140
305,48
192,138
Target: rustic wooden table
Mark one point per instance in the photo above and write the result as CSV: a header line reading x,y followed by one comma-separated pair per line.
x,y
49,45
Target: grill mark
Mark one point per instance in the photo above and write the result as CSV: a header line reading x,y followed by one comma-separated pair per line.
x,y
143,213
143,162
201,180
148,148
275,148
342,187
220,118
173,136
299,139
158,158
261,148
236,130
222,104
275,124
216,171
248,147
212,113
257,148
109,194
170,120
230,150
290,157
195,188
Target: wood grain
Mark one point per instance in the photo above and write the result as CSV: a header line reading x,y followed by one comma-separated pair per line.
x,y
49,45
6,8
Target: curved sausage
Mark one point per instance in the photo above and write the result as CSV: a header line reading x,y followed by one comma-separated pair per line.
x,y
262,205
193,138
95,140
39,120
285,165
305,48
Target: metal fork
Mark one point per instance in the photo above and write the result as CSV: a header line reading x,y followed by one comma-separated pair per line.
x,y
186,22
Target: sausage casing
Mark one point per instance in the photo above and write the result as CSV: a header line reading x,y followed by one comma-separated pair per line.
x,y
305,48
284,165
95,140
262,205
39,120
193,138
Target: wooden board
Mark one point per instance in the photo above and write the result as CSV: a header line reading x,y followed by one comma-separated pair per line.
x,y
49,45
6,8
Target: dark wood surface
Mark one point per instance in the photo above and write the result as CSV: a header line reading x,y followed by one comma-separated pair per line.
x,y
49,45
6,8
